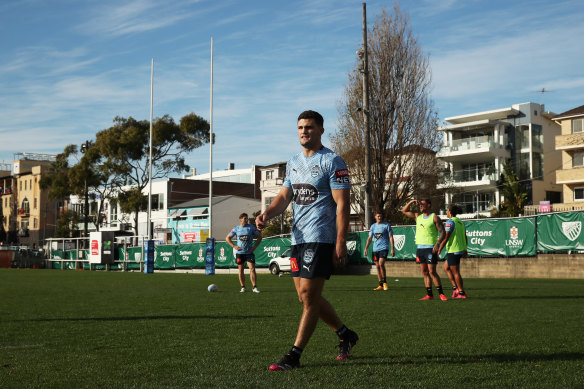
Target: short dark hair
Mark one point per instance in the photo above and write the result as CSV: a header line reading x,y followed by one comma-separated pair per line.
x,y
312,115
377,212
243,215
454,209
428,201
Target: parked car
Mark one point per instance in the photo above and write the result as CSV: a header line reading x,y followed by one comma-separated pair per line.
x,y
281,263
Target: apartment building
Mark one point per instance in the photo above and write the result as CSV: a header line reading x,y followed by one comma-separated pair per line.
x,y
570,143
28,215
477,145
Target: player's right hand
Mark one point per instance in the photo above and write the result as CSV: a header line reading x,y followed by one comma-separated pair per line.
x,y
261,221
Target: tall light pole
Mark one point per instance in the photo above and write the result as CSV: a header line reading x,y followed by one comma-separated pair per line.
x,y
149,227
211,150
84,148
365,69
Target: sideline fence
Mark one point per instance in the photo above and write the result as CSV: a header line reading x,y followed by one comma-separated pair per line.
x,y
508,237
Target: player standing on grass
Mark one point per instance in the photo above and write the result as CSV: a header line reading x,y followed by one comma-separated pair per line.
x,y
382,235
245,234
456,245
317,180
428,224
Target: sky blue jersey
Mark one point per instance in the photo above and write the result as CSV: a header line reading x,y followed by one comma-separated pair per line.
x,y
380,234
311,180
245,235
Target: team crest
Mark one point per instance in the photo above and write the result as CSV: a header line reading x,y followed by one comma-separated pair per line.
x,y
351,246
514,232
200,251
572,230
308,256
314,171
399,241
222,251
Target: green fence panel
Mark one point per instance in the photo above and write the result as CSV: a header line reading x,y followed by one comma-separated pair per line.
x,y
58,254
164,257
224,255
560,232
501,237
269,249
190,255
404,240
355,245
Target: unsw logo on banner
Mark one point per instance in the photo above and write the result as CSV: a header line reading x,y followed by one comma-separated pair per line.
x,y
572,230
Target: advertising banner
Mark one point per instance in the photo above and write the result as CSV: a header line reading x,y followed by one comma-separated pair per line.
x,y
501,237
224,255
164,257
560,232
269,249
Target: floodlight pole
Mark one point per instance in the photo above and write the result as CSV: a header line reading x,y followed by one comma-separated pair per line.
x,y
211,150
149,227
366,122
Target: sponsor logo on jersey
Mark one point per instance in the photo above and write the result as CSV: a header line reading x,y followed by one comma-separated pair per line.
x,y
378,235
243,238
399,241
293,264
304,194
571,230
308,256
342,176
314,171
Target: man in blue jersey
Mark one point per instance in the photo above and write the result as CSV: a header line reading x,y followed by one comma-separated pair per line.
x,y
245,234
317,180
429,235
382,235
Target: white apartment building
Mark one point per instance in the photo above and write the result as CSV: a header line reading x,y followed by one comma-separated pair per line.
x,y
476,145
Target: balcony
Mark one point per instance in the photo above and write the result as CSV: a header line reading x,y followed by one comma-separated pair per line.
x,y
473,149
465,179
570,141
272,182
570,176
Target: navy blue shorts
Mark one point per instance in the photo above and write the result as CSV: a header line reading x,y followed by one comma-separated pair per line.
x,y
311,260
426,256
453,259
377,255
243,258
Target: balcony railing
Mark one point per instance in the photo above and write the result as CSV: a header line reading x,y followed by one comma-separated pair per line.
x,y
479,142
466,176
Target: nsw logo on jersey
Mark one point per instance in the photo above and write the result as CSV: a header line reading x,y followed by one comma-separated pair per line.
x,y
342,176
304,194
314,171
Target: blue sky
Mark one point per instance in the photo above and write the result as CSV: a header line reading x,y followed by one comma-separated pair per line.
x,y
68,67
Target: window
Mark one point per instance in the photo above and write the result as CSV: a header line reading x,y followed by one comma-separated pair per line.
x,y
269,174
25,206
578,194
577,126
113,216
36,223
35,202
268,201
578,159
157,202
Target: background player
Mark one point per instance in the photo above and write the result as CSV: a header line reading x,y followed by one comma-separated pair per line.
x,y
318,181
428,224
456,249
382,235
245,234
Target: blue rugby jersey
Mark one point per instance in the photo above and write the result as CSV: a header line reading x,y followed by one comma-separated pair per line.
x,y
311,180
245,235
380,234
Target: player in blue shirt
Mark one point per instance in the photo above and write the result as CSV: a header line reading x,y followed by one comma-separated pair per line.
x,y
382,235
245,234
317,180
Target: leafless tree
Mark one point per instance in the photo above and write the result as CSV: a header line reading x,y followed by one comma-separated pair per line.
x,y
402,119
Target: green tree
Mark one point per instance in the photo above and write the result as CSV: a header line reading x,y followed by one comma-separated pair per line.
x,y
402,119
280,225
68,225
124,152
513,191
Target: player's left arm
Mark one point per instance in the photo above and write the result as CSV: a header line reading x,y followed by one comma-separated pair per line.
x,y
342,198
440,228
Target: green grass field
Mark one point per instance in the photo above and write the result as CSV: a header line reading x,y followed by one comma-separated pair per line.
x,y
72,329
